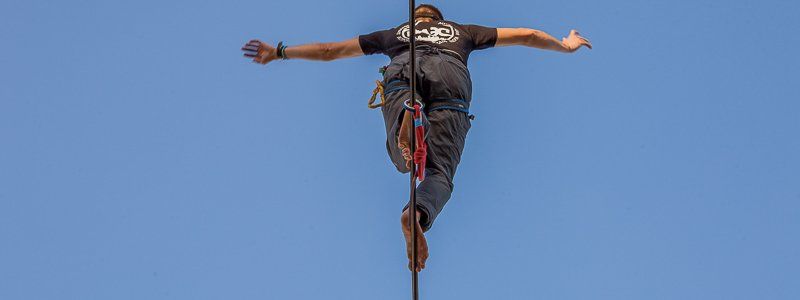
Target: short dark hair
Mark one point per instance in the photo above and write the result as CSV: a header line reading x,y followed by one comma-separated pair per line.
x,y
437,13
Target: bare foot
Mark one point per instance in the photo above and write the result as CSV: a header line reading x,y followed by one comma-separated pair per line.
x,y
404,137
422,244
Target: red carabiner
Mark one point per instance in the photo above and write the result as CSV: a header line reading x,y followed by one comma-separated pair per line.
x,y
421,152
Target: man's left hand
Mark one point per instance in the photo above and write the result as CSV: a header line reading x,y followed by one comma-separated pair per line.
x,y
260,52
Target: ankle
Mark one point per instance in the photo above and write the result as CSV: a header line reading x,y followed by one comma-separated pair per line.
x,y
404,217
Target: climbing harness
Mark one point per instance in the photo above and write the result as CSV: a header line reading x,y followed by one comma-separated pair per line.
x,y
399,85
418,112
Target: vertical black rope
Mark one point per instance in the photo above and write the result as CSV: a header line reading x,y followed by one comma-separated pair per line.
x,y
413,202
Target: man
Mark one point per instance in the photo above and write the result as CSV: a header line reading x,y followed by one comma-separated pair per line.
x,y
444,86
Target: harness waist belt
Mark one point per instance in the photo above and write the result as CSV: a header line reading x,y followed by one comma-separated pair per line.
x,y
451,104
433,104
435,50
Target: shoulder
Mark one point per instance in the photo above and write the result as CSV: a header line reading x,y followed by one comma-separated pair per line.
x,y
471,28
476,27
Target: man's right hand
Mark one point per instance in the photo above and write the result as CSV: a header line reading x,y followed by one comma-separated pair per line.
x,y
260,52
575,41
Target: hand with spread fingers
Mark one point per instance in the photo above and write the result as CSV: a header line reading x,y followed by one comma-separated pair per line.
x,y
574,41
260,52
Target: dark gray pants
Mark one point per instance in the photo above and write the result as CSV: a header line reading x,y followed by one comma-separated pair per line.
x,y
440,76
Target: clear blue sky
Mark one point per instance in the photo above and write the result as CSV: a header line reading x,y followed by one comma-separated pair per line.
x,y
141,157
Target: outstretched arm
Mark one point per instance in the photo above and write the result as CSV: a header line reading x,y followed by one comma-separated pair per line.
x,y
264,53
539,39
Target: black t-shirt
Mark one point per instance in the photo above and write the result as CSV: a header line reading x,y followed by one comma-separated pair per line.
x,y
451,37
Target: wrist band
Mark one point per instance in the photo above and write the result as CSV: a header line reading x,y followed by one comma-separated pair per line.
x,y
281,49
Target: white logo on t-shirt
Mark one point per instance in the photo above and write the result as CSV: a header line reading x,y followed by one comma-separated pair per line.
x,y
433,34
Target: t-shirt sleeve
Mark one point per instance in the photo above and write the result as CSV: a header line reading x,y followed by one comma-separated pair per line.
x,y
482,37
374,42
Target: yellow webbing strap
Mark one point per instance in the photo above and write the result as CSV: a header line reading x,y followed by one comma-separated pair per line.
x,y
378,90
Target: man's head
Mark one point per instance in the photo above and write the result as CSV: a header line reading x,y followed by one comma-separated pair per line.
x,y
428,11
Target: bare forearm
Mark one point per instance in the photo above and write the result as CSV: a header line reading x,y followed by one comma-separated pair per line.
x,y
325,51
539,39
542,40
316,51
529,38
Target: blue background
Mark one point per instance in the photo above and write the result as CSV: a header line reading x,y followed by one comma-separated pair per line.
x,y
141,157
